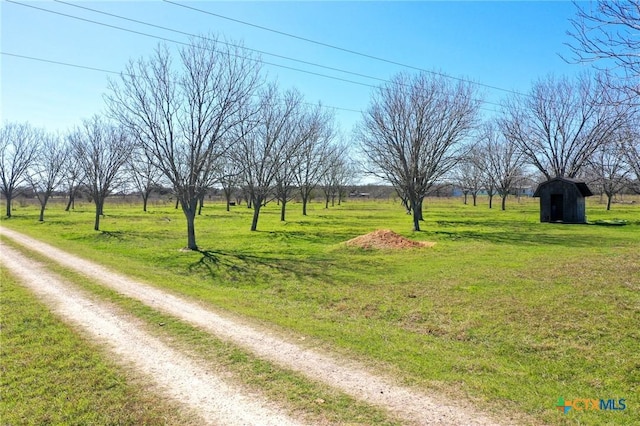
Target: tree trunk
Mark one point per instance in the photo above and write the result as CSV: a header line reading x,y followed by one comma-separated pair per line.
x,y
99,202
283,209
145,198
504,202
416,210
465,198
43,205
257,204
227,196
177,203
201,203
189,210
609,197
475,199
419,209
326,202
72,200
9,205
491,201
304,205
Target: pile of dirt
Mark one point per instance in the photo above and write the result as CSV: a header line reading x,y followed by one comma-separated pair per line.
x,y
385,239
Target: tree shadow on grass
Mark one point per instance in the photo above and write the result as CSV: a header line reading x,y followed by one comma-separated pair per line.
x,y
116,235
248,268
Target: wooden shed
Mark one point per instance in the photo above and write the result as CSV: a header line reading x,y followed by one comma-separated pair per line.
x,y
562,200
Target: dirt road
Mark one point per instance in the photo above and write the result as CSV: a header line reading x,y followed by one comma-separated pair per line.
x,y
416,407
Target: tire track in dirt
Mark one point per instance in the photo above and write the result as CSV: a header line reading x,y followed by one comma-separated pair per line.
x,y
175,375
413,406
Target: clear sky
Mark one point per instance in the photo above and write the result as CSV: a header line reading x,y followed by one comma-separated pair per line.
x,y
506,45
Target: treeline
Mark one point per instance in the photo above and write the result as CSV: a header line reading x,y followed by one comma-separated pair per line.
x,y
208,118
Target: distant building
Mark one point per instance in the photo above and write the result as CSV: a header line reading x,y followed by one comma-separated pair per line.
x,y
563,200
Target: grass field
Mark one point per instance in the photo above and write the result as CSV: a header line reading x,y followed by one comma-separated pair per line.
x,y
503,310
50,375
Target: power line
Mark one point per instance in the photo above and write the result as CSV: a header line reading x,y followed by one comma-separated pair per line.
x,y
67,64
85,67
189,44
205,38
50,61
342,49
262,52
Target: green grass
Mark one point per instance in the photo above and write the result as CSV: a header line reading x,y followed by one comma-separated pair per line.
x,y
504,311
51,375
317,403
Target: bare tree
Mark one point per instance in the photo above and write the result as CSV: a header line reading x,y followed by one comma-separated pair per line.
x,y
609,169
314,153
184,116
561,123
469,174
266,144
503,161
229,175
144,175
410,132
608,36
631,148
284,188
48,169
73,180
19,144
101,150
340,172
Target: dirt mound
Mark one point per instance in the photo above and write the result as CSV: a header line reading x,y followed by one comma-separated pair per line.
x,y
385,239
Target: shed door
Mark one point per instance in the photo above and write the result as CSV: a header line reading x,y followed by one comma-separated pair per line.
x,y
556,208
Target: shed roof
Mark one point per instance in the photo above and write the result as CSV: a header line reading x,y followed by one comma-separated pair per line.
x,y
580,185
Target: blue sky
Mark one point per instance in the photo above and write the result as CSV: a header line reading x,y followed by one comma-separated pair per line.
x,y
503,44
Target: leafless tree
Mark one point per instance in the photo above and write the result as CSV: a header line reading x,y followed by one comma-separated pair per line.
x,y
229,175
47,172
609,169
143,174
469,173
410,133
73,180
185,115
19,143
631,148
101,150
608,35
266,144
314,153
284,188
561,123
307,159
340,172
503,162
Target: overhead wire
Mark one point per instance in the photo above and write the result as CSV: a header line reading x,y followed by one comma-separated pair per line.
x,y
89,68
262,52
191,45
85,67
241,47
350,51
